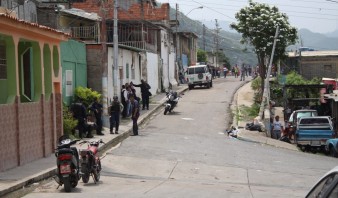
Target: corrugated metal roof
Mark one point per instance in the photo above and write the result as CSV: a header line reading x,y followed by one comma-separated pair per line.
x,y
314,53
81,13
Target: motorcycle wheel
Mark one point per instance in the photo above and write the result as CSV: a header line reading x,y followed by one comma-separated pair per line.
x,y
85,177
74,183
165,111
97,172
66,184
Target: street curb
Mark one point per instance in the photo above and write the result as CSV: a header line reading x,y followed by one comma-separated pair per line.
x,y
31,180
113,142
234,103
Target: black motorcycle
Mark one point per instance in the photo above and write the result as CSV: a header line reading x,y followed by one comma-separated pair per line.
x,y
67,160
172,100
90,161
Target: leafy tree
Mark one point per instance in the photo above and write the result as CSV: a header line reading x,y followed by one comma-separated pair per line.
x,y
223,59
201,56
87,95
257,23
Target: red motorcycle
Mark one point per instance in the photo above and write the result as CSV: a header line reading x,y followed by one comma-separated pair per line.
x,y
90,161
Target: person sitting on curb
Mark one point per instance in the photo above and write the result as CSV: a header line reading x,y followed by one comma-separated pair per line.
x,y
233,132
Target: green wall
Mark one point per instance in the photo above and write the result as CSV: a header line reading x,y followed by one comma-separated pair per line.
x,y
8,86
73,57
47,62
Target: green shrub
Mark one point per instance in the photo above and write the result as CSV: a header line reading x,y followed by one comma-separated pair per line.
x,y
248,113
69,123
87,95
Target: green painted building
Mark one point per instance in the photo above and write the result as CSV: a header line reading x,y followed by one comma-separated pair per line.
x,y
74,68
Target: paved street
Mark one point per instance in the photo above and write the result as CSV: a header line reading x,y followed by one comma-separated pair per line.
x,y
187,154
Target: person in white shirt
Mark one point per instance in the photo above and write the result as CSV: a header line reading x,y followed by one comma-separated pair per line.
x,y
277,128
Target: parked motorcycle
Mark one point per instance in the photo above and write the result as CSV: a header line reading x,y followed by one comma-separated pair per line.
x,y
172,100
90,161
67,160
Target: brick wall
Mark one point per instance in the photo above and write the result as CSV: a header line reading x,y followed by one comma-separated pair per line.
x,y
27,131
94,70
30,132
8,133
133,13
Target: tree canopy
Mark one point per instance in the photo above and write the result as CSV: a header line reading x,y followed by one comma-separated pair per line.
x,y
257,23
201,56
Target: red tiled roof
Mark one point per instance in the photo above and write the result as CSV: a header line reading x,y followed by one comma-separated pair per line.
x,y
33,25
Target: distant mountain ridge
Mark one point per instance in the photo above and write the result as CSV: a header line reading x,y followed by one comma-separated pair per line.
x,y
317,41
333,34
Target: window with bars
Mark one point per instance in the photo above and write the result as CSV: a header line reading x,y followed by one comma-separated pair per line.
x,y
3,61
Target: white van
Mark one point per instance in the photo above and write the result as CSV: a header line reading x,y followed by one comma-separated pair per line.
x,y
199,75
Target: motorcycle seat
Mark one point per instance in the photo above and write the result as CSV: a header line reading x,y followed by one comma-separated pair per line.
x,y
66,151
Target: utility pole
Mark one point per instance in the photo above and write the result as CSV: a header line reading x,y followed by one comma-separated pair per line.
x,y
266,94
217,41
176,46
104,63
116,48
204,30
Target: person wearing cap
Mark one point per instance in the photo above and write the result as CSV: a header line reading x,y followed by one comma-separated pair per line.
x,y
277,128
115,110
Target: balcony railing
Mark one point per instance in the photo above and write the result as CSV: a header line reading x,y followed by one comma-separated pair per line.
x,y
85,33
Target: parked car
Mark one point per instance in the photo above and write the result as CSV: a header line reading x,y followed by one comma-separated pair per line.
x,y
327,186
331,147
312,132
291,124
199,75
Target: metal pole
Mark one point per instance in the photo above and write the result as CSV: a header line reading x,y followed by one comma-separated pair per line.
x,y
116,52
104,60
265,97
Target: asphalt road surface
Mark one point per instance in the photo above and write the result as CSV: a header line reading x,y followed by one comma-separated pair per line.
x,y
187,154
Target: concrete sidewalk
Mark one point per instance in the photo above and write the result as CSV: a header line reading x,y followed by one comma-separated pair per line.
x,y
244,96
19,177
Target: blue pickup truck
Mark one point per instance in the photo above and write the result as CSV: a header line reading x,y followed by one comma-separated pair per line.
x,y
313,132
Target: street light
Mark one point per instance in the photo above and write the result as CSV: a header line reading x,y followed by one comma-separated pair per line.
x,y
201,7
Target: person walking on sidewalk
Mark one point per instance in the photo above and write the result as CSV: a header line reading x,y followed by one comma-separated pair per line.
x,y
135,113
115,111
225,70
277,128
243,71
97,108
145,93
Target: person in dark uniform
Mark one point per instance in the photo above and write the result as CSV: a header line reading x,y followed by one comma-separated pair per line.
x,y
135,113
97,108
145,93
80,114
115,111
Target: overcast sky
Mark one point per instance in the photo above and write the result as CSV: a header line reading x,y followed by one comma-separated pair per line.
x,y
316,15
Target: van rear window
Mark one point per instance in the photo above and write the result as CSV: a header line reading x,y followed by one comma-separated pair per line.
x,y
196,70
315,121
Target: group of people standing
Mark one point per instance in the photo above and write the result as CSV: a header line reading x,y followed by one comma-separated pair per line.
x,y
130,104
244,71
128,107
